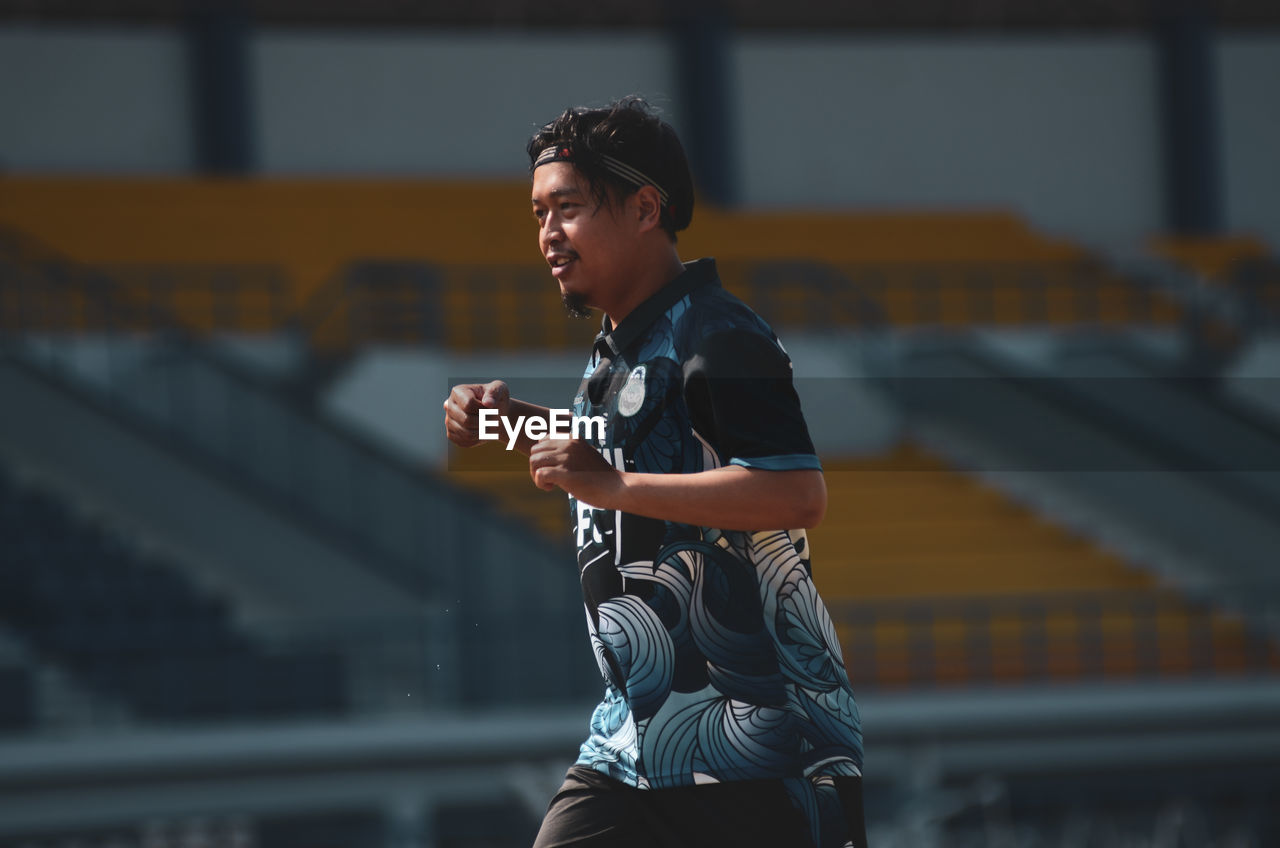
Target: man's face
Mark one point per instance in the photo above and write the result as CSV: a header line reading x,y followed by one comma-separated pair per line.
x,y
583,242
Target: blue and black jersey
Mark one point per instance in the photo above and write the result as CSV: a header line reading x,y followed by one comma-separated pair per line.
x,y
719,658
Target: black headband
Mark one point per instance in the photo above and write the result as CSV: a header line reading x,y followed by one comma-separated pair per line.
x,y
564,153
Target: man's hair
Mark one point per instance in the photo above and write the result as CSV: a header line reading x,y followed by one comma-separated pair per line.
x,y
627,132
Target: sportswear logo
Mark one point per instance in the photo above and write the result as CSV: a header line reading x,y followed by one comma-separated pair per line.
x,y
631,398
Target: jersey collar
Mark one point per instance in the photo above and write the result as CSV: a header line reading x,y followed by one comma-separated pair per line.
x,y
696,274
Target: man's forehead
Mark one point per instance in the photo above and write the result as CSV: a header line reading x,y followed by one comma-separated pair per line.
x,y
556,179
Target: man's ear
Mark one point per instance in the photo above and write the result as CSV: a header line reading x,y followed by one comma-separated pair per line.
x,y
648,208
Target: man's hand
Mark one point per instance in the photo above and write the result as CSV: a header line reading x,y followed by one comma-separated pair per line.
x,y
462,409
577,467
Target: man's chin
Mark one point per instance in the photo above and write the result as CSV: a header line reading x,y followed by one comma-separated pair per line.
x,y
575,304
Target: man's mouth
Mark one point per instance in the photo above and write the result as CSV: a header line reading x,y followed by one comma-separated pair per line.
x,y
560,261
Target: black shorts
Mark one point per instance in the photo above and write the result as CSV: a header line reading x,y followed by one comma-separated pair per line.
x,y
592,810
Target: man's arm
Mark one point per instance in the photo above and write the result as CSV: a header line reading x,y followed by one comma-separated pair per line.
x,y
731,498
462,412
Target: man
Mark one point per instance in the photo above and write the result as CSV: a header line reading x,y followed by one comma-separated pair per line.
x,y
727,718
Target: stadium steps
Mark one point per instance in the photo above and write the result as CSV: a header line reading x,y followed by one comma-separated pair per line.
x,y
933,575
1200,426
1128,459
227,422
332,526
126,625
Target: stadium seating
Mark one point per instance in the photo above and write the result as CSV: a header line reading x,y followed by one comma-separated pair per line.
x,y
937,576
128,626
936,579
456,268
1211,257
257,256
1242,264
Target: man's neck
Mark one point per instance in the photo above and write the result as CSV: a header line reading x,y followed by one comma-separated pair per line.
x,y
649,282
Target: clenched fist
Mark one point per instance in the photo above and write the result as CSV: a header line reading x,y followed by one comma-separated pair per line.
x,y
462,409
577,467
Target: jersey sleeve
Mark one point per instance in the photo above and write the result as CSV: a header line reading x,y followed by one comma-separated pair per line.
x,y
742,401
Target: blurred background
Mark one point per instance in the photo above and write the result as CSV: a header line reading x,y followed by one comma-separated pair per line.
x,y
1024,255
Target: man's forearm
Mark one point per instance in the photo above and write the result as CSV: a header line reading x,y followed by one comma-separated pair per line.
x,y
730,498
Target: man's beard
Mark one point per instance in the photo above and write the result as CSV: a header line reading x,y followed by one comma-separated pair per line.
x,y
575,304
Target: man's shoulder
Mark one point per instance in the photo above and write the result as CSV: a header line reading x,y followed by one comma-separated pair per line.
x,y
712,310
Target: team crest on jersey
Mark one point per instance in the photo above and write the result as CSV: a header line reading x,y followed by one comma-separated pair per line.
x,y
631,398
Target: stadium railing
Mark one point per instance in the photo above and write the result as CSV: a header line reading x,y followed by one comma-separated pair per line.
x,y
1050,637
1241,267
513,306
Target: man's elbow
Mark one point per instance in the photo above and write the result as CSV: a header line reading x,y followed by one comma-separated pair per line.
x,y
811,502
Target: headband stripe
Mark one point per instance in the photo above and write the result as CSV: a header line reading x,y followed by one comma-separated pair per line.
x,y
551,154
617,167
633,175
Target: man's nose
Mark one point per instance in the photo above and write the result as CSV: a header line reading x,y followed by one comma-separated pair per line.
x,y
551,231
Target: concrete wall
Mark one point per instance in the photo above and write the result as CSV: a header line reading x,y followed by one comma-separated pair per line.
x,y
1061,128
1248,74
435,103
84,100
